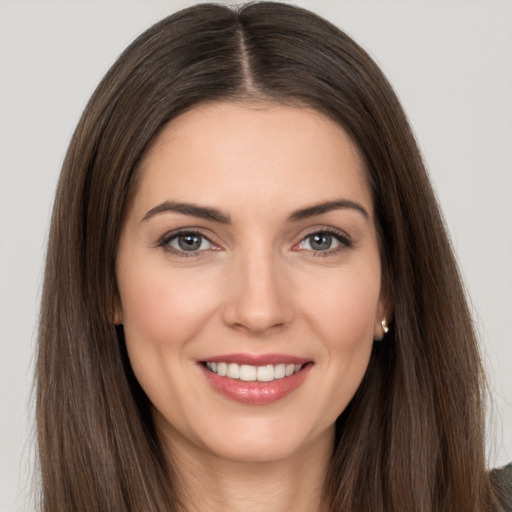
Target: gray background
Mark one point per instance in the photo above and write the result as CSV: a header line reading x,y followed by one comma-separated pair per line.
x,y
451,64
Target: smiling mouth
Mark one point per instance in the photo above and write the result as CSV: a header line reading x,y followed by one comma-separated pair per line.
x,y
249,373
256,379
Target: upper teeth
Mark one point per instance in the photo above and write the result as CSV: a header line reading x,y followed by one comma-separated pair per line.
x,y
247,372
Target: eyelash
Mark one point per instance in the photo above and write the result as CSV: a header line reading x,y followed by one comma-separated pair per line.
x,y
344,242
169,237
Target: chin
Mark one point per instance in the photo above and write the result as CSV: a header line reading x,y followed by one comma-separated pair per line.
x,y
264,442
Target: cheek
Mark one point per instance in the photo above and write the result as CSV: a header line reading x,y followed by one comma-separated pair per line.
x,y
163,312
164,305
345,306
343,317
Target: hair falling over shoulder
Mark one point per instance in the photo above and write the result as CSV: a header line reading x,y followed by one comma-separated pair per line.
x,y
413,436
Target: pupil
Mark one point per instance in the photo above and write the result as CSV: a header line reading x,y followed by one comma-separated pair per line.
x,y
189,242
321,242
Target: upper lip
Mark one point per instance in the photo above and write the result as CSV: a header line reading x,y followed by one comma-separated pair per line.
x,y
256,359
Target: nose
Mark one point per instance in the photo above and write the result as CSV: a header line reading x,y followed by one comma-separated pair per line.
x,y
259,295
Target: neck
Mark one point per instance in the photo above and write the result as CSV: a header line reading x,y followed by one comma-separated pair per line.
x,y
209,482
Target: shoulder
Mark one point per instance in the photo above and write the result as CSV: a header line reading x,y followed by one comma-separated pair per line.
x,y
502,482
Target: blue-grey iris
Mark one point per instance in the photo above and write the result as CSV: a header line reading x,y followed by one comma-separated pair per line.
x,y
320,241
190,242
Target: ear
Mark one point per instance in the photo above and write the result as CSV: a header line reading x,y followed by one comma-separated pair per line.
x,y
384,315
117,319
116,312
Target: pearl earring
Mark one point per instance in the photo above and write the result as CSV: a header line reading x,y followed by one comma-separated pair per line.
x,y
385,329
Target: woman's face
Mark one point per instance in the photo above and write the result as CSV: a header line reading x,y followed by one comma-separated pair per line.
x,y
250,279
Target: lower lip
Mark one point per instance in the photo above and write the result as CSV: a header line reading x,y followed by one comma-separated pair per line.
x,y
255,392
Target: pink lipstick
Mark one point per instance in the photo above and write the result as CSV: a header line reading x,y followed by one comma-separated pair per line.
x,y
255,379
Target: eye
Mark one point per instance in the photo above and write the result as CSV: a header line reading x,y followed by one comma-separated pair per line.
x,y
324,241
319,242
187,242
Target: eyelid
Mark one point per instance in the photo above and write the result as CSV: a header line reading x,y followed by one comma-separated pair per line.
x,y
164,242
344,239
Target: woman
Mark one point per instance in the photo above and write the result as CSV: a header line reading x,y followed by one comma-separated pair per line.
x,y
250,301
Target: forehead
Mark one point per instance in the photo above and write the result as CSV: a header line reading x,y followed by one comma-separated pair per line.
x,y
263,156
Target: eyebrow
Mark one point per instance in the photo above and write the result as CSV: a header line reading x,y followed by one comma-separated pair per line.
x,y
192,210
215,215
318,209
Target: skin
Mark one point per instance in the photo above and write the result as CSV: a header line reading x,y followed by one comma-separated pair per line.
x,y
257,285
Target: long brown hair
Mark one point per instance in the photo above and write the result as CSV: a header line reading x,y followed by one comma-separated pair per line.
x,y
412,437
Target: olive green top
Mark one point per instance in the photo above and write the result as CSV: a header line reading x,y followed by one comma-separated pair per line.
x,y
502,480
